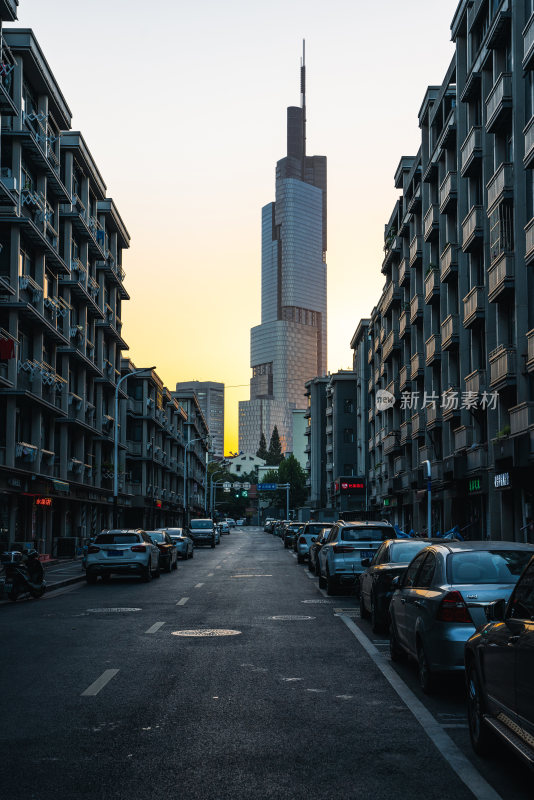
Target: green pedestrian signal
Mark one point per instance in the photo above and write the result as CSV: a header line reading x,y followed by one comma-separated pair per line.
x,y
244,493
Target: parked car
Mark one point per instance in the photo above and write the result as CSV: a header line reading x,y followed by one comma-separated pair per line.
x,y
268,525
290,532
392,559
314,549
184,544
168,554
217,534
224,527
122,552
307,536
240,523
231,522
499,665
202,531
339,560
440,601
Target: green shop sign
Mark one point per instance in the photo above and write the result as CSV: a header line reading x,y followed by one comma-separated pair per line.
x,y
474,485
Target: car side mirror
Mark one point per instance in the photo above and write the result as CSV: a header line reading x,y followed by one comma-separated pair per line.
x,y
496,611
396,582
366,562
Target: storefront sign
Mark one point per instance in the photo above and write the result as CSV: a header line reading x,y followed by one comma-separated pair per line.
x,y
43,501
502,480
474,485
390,502
354,486
14,482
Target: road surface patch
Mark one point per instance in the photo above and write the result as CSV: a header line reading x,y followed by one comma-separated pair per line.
x,y
200,632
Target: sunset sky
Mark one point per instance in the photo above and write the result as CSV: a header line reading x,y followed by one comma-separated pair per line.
x,y
183,107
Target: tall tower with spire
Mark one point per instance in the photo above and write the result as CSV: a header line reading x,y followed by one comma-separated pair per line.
x,y
288,348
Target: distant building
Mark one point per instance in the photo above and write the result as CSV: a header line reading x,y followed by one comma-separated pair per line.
x,y
316,441
300,423
210,397
289,346
244,463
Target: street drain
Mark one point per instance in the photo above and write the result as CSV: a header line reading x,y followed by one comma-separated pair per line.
x,y
292,617
206,632
110,610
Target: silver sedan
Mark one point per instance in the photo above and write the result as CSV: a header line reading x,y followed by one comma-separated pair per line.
x,y
184,545
440,600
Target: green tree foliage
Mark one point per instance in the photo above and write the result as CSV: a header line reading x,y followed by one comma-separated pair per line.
x,y
275,456
291,472
262,451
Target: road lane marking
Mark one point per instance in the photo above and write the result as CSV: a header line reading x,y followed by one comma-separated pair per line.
x,y
99,684
211,574
218,567
183,601
433,729
155,627
310,575
198,585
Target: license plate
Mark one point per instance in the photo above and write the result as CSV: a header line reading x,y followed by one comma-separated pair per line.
x,y
115,552
367,553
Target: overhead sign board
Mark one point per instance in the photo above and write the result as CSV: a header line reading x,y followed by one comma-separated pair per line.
x,y
267,487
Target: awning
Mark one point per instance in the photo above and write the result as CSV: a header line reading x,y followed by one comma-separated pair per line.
x,y
61,486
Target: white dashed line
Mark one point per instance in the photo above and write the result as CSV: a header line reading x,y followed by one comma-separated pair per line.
x,y
155,627
199,585
218,567
211,574
310,575
183,601
99,684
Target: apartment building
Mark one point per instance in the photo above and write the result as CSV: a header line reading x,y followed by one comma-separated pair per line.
x,y
61,290
315,447
210,396
452,336
197,444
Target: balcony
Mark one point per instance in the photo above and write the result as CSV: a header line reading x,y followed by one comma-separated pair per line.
x,y
405,432
521,419
391,296
418,426
502,367
431,223
449,332
433,350
416,308
370,385
530,351
529,242
377,375
391,343
475,382
499,103
473,229
501,186
393,387
425,453
404,327
463,437
399,465
477,459
448,262
371,444
370,415
370,356
474,307
433,417
501,278
416,366
404,273
472,152
403,374
528,160
450,404
414,202
391,442
448,193
528,45
431,285
416,250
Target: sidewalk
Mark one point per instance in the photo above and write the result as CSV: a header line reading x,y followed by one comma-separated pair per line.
x,y
58,573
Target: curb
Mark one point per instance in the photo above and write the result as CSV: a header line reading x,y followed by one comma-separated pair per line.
x,y
51,587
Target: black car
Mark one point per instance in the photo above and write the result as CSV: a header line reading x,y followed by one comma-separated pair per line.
x,y
390,560
499,667
316,546
168,552
290,533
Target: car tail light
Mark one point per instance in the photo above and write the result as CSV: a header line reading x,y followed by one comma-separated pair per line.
x,y
139,548
453,609
339,548
302,540
93,549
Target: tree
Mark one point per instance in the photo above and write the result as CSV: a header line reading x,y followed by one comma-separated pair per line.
x,y
262,451
291,472
275,456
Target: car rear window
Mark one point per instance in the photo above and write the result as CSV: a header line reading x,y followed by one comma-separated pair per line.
x,y
364,534
157,537
403,553
117,538
201,524
487,566
315,528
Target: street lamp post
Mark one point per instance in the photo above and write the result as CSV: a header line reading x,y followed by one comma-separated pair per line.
x,y
116,439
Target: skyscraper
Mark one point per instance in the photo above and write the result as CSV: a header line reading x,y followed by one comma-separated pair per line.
x,y
210,396
288,348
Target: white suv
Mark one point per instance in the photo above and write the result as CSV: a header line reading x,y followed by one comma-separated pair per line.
x,y
122,553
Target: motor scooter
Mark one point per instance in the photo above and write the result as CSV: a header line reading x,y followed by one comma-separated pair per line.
x,y
24,574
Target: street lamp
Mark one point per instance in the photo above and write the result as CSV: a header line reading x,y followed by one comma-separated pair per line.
x,y
116,439
188,444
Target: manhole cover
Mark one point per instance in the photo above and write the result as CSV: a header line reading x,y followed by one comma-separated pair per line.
x,y
290,617
206,632
317,602
110,610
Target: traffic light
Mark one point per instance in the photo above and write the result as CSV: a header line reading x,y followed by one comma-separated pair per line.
x,y
237,495
244,493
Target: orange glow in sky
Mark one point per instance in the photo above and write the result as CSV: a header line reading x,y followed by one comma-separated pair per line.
x,y
184,113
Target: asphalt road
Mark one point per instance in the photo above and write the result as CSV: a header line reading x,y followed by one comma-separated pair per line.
x,y
101,698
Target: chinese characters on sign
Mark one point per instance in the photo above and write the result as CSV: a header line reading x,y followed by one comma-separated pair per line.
x,y
450,400
502,480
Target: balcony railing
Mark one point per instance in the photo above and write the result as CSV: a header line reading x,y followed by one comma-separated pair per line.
x,y
392,294
528,44
463,437
499,101
416,363
404,272
416,250
530,350
475,382
529,241
416,308
521,418
472,227
403,375
403,324
448,262
474,306
477,458
471,149
502,367
390,343
501,277
433,415
431,285
450,403
391,442
501,185
417,425
431,222
447,192
433,349
449,332
405,431
528,160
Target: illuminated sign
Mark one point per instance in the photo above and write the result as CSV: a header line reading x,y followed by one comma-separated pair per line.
x,y
349,486
43,501
159,504
474,485
502,480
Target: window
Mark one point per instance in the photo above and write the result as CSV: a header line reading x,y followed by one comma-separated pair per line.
x,y
348,435
522,604
426,574
411,572
348,469
348,406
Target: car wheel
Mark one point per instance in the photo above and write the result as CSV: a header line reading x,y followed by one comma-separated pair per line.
x,y
300,559
175,565
482,740
426,677
192,554
213,545
330,586
322,581
395,650
286,545
147,574
91,579
106,578
364,614
311,567
169,566
376,624
157,573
